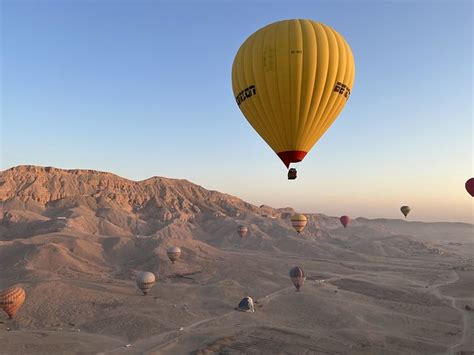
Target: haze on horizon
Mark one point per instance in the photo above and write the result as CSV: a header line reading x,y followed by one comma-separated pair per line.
x,y
144,88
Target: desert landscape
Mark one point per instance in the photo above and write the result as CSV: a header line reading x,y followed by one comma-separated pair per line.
x,y
75,240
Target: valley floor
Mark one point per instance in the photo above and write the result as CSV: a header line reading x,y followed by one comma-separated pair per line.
x,y
395,306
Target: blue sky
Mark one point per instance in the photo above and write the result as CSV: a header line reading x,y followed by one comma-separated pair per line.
x,y
143,88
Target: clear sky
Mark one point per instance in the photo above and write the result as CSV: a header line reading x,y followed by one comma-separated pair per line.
x,y
143,88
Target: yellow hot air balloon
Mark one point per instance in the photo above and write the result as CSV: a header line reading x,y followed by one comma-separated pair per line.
x,y
291,79
298,221
11,300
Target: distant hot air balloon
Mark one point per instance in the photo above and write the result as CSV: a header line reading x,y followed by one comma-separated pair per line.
x,y
291,79
470,186
243,231
298,221
11,300
145,281
298,277
405,210
174,253
345,220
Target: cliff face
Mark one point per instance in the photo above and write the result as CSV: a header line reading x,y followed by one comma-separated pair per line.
x,y
45,185
135,206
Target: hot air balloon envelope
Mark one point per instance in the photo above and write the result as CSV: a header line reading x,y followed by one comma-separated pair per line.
x,y
11,300
405,210
173,253
298,277
345,220
470,186
242,230
246,305
291,79
298,221
145,281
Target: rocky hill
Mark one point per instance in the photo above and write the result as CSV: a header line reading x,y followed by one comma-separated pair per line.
x,y
56,198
